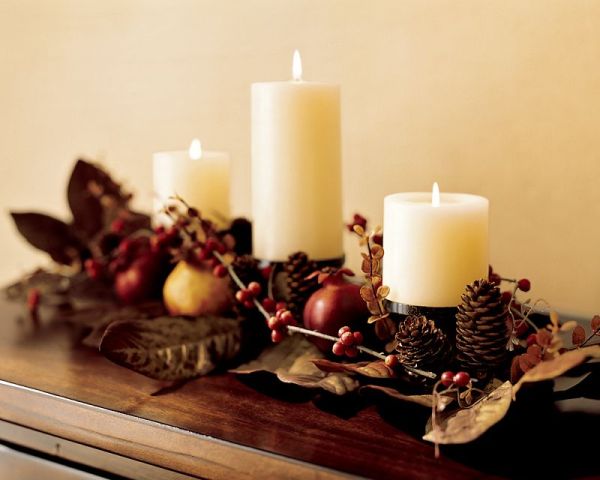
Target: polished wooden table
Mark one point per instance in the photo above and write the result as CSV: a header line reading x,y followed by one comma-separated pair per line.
x,y
66,402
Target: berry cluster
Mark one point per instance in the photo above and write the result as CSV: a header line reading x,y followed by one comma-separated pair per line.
x,y
246,296
460,379
347,343
523,284
279,322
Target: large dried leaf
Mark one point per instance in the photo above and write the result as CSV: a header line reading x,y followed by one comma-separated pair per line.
x,y
376,369
557,366
425,400
172,348
467,424
50,235
292,362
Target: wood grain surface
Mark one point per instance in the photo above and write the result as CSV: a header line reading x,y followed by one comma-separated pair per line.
x,y
222,426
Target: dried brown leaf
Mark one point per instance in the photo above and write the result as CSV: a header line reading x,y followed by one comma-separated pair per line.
x,y
568,326
292,362
366,292
172,348
550,369
527,361
544,338
423,400
376,369
578,336
359,230
377,251
466,425
383,291
365,266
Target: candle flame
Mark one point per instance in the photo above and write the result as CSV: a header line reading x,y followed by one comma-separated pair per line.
x,y
297,66
195,151
435,195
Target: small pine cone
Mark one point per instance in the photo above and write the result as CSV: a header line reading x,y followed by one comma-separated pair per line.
x,y
246,267
297,268
481,329
420,344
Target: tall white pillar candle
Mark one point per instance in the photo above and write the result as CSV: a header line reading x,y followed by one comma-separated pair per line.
x,y
434,246
296,169
199,177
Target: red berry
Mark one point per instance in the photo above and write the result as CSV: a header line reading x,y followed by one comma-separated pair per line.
x,y
343,330
358,338
447,378
220,271
351,351
243,296
268,304
378,239
506,297
495,279
211,244
461,379
277,336
254,288
266,272
125,247
347,339
33,299
338,349
117,225
286,317
524,285
248,304
281,306
203,255
160,229
93,268
273,323
531,339
391,361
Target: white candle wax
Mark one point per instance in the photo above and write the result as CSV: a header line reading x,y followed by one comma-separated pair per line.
x,y
296,169
433,252
199,177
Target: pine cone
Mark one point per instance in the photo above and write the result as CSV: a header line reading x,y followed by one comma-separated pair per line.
x,y
298,267
420,344
481,329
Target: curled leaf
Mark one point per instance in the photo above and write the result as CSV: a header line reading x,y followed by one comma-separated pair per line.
x,y
358,229
292,362
468,424
383,291
377,251
550,369
172,348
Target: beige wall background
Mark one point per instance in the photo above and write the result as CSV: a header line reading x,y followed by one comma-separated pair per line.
x,y
498,98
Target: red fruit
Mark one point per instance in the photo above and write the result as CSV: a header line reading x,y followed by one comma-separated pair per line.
x,y
347,339
243,296
286,317
506,297
141,280
221,248
277,336
220,271
343,330
391,361
268,304
524,285
160,229
33,300
338,349
117,225
378,239
280,306
351,351
447,378
461,379
266,272
531,339
273,323
125,247
211,244
93,268
336,304
248,304
254,288
358,338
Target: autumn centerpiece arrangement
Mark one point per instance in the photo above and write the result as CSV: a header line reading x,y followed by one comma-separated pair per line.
x,y
188,298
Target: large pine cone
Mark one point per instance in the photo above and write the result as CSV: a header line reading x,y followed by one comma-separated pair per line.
x,y
420,344
481,328
297,268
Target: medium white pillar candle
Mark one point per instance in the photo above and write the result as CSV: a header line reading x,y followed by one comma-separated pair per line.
x,y
434,246
199,177
296,169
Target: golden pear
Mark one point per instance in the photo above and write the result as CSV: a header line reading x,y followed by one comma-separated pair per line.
x,y
194,290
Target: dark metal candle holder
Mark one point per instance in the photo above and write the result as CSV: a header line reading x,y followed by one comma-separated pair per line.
x,y
444,317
